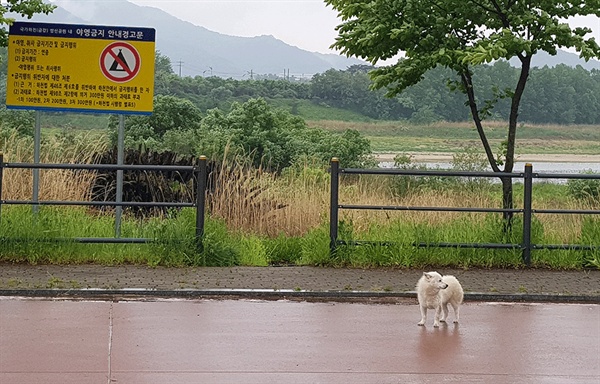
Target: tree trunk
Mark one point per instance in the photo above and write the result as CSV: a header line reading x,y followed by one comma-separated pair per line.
x,y
509,161
507,202
507,184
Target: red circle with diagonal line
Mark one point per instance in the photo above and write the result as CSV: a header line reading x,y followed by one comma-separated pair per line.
x,y
120,62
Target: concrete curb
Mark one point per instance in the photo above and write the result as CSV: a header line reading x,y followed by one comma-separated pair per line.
x,y
270,294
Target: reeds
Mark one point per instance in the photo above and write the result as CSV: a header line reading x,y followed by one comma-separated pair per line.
x,y
253,200
55,184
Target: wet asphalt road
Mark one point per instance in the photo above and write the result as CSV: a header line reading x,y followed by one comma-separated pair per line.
x,y
253,341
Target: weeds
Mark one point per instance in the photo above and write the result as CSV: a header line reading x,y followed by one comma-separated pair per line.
x,y
261,218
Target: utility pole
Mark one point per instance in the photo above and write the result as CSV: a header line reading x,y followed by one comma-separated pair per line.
x,y
180,63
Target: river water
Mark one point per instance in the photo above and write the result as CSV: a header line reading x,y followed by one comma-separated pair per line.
x,y
539,167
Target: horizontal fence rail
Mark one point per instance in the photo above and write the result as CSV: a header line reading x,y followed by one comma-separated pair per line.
x,y
106,167
200,178
98,203
527,211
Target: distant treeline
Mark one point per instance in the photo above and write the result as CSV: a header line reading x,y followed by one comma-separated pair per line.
x,y
557,95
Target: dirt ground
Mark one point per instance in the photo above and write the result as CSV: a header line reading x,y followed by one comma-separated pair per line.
x,y
529,284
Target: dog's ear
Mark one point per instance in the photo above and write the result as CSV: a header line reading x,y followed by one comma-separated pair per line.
x,y
427,275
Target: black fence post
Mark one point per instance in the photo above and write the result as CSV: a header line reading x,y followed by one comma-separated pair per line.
x,y
333,209
528,191
201,176
1,176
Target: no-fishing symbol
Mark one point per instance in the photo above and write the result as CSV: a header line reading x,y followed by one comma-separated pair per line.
x,y
120,62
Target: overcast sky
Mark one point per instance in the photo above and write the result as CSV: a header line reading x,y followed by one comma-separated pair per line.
x,y
307,24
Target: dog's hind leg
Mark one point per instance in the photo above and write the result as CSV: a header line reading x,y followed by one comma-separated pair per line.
x,y
423,315
444,312
456,308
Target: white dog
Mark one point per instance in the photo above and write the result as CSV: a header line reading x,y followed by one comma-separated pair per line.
x,y
435,291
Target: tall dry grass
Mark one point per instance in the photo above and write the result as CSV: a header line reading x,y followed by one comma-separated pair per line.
x,y
260,202
55,184
256,201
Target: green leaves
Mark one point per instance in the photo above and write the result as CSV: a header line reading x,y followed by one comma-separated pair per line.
x,y
274,138
456,33
170,114
26,8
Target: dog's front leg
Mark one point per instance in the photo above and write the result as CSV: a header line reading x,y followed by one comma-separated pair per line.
x,y
423,315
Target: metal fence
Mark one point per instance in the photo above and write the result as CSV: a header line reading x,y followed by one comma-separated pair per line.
x,y
200,175
527,176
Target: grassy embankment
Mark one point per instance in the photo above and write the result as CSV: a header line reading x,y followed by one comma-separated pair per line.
x,y
446,137
260,219
401,136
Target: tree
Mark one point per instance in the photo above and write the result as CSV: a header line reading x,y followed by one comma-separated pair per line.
x,y
170,113
461,34
26,8
162,63
573,91
275,139
253,129
350,89
19,122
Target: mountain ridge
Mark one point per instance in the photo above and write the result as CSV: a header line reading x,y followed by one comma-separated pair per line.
x,y
197,51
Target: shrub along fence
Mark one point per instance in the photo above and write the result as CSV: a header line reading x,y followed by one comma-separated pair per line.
x,y
527,176
200,176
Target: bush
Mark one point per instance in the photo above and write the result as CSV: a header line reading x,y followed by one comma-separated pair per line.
x,y
170,114
469,159
401,185
19,122
585,189
274,138
472,160
147,186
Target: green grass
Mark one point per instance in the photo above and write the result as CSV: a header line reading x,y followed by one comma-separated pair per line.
x,y
33,239
40,238
46,238
392,246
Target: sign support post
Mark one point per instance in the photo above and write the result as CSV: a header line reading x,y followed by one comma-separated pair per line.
x,y
120,161
37,137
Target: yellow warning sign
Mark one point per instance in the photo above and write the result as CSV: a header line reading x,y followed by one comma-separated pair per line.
x,y
80,67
